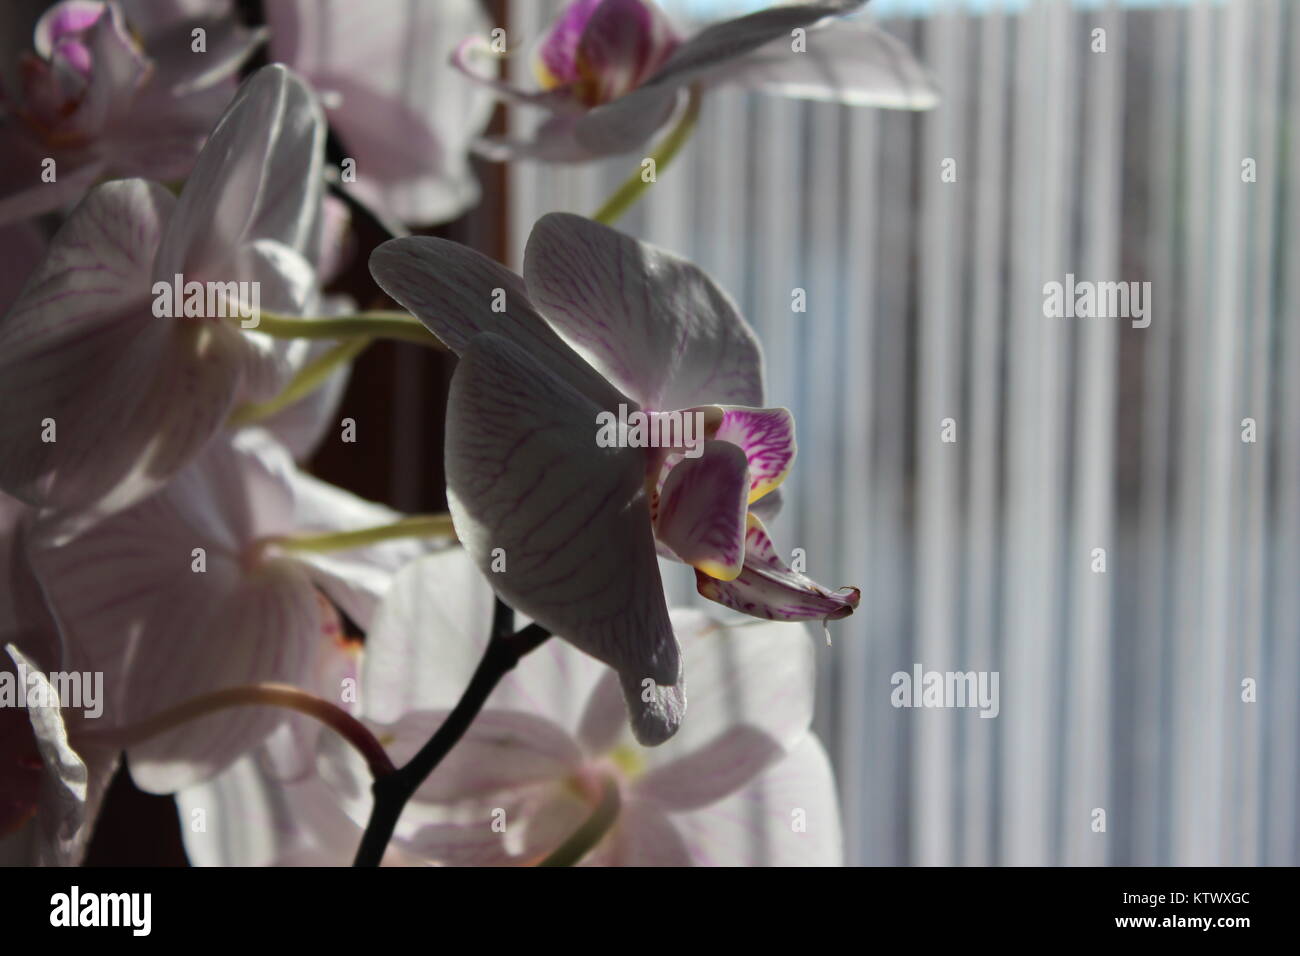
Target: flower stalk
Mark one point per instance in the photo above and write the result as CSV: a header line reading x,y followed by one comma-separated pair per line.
x,y
392,792
263,695
377,325
592,831
311,377
626,196
415,526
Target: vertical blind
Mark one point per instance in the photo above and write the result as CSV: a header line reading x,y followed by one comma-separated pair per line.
x,y
1164,690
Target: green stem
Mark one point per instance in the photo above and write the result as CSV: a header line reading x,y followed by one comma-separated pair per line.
x,y
378,325
309,378
631,190
592,831
416,526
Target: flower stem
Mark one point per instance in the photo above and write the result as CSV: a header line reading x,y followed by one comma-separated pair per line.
x,y
415,526
309,378
378,325
628,193
592,831
262,695
504,651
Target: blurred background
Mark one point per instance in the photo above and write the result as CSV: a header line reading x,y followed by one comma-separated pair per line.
x,y
1163,690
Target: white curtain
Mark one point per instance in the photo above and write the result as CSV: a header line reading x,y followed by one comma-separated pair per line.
x,y
1163,691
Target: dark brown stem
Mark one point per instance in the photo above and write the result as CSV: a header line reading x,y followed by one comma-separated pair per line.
x,y
392,791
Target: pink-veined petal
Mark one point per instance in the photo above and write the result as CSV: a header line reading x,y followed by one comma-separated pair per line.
x,y
168,601
766,435
269,627
652,323
768,588
527,485
459,293
702,510
80,351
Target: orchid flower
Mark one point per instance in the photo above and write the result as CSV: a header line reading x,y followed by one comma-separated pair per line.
x,y
404,118
612,72
568,530
105,399
200,588
106,94
743,783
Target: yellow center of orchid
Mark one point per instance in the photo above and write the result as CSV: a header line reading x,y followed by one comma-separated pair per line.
x,y
628,760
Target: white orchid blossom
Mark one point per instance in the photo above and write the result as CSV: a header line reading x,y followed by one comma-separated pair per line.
x,y
567,529
113,89
607,411
742,783
194,590
131,395
612,72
